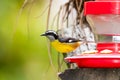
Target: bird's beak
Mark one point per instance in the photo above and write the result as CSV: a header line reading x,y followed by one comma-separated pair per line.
x,y
43,34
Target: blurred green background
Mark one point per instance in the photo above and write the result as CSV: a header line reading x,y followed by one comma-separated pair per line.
x,y
23,52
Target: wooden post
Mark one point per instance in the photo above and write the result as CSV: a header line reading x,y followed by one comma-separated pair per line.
x,y
91,74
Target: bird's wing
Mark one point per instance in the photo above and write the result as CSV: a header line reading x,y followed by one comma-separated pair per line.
x,y
68,40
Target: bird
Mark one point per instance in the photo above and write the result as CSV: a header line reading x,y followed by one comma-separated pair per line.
x,y
61,44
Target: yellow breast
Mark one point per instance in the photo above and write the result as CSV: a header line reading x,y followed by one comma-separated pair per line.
x,y
65,47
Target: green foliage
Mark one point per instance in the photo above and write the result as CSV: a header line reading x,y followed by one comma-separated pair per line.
x,y
23,53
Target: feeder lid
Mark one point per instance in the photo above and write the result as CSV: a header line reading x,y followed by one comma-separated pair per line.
x,y
102,7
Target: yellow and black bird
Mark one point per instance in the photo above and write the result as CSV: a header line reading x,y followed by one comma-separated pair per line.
x,y
62,45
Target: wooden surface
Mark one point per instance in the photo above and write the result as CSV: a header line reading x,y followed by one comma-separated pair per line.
x,y
90,74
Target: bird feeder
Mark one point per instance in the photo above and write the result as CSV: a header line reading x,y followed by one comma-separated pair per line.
x,y
104,17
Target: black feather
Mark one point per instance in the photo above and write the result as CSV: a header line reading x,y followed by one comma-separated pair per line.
x,y
52,33
68,40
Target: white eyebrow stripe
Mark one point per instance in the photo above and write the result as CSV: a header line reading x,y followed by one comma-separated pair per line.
x,y
50,31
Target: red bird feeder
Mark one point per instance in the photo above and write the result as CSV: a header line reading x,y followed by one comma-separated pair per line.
x,y
104,16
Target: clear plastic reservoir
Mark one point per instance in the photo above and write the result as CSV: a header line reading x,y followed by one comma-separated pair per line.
x,y
108,24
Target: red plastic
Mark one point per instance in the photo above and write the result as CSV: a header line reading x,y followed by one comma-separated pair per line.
x,y
115,47
102,7
107,0
96,61
99,60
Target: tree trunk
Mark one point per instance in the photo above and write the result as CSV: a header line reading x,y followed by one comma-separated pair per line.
x,y
91,74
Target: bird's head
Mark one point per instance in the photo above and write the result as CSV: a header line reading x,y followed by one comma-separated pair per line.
x,y
51,35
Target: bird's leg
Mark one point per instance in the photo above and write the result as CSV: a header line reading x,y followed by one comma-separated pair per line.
x,y
67,64
59,63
